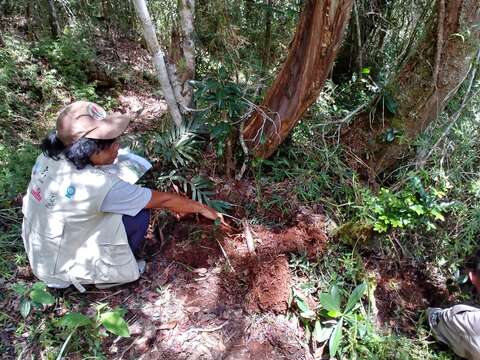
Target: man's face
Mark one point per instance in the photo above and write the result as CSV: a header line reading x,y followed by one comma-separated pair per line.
x,y
475,279
107,156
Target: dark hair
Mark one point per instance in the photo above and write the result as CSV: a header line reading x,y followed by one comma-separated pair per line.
x,y
473,263
77,153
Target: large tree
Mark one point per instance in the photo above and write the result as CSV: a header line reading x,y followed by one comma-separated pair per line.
x,y
380,137
302,76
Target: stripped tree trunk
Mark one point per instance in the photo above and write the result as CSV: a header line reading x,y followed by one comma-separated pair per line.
x,y
53,17
378,139
158,60
297,86
187,15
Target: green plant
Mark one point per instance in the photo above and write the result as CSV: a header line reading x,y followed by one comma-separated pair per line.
x,y
89,331
407,208
32,297
177,146
329,321
199,189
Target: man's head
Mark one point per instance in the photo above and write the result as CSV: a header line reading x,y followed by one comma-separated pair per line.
x,y
83,119
473,268
86,135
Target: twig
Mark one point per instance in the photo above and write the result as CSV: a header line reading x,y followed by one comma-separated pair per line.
x,y
110,295
207,329
247,234
226,256
126,349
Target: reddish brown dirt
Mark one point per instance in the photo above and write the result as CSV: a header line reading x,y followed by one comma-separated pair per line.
x,y
262,277
270,286
403,293
194,247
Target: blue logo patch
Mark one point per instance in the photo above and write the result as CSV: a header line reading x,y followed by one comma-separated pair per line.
x,y
70,192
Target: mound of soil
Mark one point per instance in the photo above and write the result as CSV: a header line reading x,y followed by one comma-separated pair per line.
x,y
270,286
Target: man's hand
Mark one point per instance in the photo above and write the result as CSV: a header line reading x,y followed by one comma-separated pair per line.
x,y
182,206
211,214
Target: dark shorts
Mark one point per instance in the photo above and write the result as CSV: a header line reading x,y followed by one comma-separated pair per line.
x,y
136,228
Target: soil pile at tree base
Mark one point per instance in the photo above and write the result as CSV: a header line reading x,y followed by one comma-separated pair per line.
x,y
261,278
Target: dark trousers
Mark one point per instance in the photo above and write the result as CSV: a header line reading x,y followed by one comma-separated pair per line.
x,y
136,228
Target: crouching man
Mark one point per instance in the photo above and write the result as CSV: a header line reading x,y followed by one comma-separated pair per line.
x,y
82,225
459,326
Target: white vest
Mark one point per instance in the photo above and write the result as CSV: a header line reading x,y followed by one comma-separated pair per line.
x,y
67,238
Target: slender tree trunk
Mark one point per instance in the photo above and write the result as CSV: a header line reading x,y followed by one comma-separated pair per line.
x,y
299,82
187,15
419,93
53,18
267,43
158,60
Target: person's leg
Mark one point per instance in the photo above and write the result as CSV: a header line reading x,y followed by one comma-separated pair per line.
x,y
136,228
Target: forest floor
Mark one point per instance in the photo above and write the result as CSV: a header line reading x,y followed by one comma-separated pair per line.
x,y
206,295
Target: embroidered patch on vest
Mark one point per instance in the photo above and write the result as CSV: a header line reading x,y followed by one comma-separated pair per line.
x,y
70,192
51,200
37,195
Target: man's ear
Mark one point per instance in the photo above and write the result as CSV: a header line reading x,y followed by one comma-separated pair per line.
x,y
471,276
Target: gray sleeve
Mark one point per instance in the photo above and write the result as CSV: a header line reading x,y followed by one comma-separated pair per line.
x,y
126,199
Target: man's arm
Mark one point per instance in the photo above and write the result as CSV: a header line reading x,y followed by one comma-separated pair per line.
x,y
181,205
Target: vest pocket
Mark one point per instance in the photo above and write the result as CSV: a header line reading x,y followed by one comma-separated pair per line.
x,y
42,242
116,264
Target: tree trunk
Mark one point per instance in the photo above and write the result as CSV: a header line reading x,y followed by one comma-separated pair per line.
x,y
419,93
267,42
187,15
53,18
158,60
298,84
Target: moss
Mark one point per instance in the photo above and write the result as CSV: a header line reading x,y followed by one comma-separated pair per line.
x,y
355,233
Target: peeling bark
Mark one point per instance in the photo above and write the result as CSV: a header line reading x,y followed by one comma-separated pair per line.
x,y
158,60
299,82
424,85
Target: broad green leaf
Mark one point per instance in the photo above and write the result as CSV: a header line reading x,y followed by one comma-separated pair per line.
x,y
331,301
334,314
42,297
336,338
25,307
114,322
366,70
355,297
19,288
39,286
74,320
321,334
302,304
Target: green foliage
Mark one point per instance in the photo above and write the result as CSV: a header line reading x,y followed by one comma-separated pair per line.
x,y
224,103
178,146
70,55
15,167
199,188
71,332
412,206
32,297
329,320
